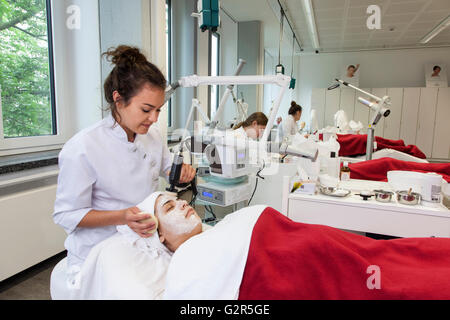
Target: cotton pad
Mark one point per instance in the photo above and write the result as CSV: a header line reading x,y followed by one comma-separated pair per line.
x,y
152,218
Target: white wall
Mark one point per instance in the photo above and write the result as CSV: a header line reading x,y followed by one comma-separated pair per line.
x,y
120,24
184,59
77,65
228,60
249,49
153,25
379,69
271,91
138,23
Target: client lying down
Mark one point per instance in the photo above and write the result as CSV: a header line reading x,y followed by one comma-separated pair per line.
x,y
258,253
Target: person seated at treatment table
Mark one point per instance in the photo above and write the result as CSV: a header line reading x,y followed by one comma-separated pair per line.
x,y
253,127
290,127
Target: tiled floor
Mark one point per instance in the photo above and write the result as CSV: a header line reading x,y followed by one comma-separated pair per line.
x,y
30,284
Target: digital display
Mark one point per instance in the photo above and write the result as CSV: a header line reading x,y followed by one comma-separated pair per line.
x,y
207,194
241,155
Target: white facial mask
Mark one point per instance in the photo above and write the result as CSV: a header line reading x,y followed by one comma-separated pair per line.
x,y
175,220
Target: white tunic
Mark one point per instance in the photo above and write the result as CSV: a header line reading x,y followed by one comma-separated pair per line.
x,y
101,170
290,127
240,133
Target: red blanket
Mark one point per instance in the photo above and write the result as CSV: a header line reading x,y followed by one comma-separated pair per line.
x,y
377,169
355,144
289,260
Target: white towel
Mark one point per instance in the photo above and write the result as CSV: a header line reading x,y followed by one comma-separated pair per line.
x,y
211,265
150,245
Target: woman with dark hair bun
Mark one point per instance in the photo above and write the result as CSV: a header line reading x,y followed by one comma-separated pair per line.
x,y
253,127
108,168
295,112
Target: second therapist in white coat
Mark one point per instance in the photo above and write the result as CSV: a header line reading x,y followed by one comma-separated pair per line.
x,y
290,126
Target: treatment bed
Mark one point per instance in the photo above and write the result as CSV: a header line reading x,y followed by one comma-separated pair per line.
x,y
353,145
258,253
376,170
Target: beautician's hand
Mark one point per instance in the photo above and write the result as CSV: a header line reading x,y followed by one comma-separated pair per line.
x,y
132,218
187,173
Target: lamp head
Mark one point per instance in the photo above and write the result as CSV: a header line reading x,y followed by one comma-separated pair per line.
x,y
334,86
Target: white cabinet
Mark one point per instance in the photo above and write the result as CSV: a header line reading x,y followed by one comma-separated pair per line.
x,y
361,111
347,102
425,124
318,104
441,141
409,117
392,123
332,101
419,116
379,129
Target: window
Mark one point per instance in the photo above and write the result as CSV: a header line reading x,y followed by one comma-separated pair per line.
x,y
169,55
214,71
26,70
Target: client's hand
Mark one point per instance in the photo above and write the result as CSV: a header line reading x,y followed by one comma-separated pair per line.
x,y
133,218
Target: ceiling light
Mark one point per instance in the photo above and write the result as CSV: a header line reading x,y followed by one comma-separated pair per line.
x,y
436,30
307,7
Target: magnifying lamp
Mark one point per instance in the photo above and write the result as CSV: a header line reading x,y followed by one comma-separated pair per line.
x,y
380,107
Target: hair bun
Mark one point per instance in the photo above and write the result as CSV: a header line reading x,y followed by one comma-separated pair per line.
x,y
125,55
293,103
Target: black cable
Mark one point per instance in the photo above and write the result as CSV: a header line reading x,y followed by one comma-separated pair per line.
x,y
210,210
292,64
192,203
256,183
193,187
254,190
292,30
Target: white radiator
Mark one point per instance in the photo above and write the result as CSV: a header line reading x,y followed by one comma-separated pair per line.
x,y
28,234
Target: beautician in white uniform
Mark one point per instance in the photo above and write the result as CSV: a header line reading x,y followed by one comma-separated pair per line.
x,y
290,125
253,127
108,168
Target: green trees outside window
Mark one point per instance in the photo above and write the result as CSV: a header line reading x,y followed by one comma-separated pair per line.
x,y
25,71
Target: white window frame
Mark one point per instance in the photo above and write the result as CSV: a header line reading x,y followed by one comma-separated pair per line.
x,y
169,62
9,146
77,79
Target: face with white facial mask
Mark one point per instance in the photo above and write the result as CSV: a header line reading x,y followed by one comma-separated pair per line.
x,y
177,221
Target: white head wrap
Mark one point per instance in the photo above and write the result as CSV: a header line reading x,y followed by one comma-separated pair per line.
x,y
150,245
148,205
